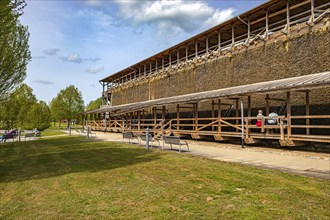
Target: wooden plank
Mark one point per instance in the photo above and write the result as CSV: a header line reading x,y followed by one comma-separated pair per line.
x,y
307,112
288,112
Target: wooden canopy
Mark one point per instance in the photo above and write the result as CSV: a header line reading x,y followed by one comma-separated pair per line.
x,y
289,84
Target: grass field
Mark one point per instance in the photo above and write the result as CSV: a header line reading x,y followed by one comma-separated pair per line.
x,y
71,178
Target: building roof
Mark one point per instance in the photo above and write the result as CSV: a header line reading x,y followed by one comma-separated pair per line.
x,y
305,82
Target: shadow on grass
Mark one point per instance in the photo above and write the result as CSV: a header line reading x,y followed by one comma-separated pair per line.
x,y
49,158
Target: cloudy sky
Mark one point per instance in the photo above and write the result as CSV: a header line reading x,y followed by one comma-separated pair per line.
x,y
82,41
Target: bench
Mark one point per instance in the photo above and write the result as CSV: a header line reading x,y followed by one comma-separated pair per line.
x,y
130,136
172,140
29,135
143,137
5,137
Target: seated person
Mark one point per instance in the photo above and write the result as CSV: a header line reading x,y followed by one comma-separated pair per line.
x,y
259,118
35,130
272,120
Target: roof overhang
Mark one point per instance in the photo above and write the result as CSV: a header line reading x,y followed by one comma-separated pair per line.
x,y
305,82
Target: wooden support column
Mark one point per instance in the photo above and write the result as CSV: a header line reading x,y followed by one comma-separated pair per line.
x,y
177,117
307,112
177,56
219,116
163,65
312,11
186,53
170,59
139,120
155,115
156,65
145,69
249,30
249,106
267,110
212,113
196,115
288,112
163,112
236,113
288,16
126,121
219,40
267,24
150,68
207,44
233,34
196,49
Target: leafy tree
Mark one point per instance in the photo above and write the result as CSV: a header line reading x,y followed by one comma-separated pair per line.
x,y
95,104
13,111
38,116
68,104
14,48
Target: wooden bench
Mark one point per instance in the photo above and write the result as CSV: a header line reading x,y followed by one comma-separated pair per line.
x,y
130,136
6,137
172,140
29,135
143,137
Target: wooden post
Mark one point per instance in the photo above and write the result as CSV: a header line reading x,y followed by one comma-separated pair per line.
x,y
212,113
139,120
233,34
163,65
267,110
249,115
155,116
267,24
196,49
307,112
150,68
236,113
249,30
177,56
156,65
196,115
170,59
249,106
219,40
219,116
177,117
288,16
145,69
288,113
312,10
186,53
207,44
163,118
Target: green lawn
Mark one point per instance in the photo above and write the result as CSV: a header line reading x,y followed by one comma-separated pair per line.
x,y
49,132
71,178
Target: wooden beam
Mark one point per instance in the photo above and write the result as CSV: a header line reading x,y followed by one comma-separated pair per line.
x,y
267,111
249,106
219,40
177,116
212,112
288,112
307,113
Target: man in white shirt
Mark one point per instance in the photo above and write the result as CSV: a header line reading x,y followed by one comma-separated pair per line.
x,y
272,120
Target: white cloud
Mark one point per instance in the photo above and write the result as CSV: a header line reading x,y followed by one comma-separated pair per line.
x,y
95,69
172,16
45,82
51,51
93,2
75,58
93,59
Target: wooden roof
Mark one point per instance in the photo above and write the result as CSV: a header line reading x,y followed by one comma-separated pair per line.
x,y
289,84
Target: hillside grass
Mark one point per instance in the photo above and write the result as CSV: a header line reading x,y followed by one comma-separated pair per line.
x,y
75,178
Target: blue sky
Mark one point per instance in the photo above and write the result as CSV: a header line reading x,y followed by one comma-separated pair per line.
x,y
80,42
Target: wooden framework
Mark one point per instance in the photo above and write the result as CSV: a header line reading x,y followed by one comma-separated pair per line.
x,y
256,24
187,120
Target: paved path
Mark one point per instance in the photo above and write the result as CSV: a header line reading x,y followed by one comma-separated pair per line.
x,y
304,163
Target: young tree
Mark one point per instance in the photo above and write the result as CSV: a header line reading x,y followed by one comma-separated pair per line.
x,y
68,104
38,116
13,111
14,48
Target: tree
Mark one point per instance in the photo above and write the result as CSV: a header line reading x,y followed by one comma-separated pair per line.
x,y
38,116
14,47
68,104
13,110
95,104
